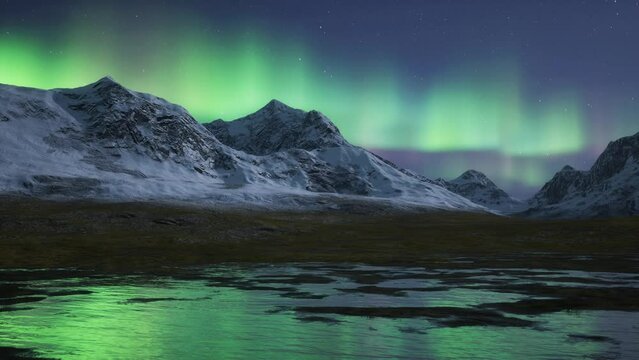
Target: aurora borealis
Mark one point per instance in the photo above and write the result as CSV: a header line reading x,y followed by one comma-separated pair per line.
x,y
514,89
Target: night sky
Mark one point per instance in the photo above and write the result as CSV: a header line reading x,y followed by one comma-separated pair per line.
x,y
515,89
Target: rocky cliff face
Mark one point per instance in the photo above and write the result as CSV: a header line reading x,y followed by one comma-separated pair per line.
x,y
609,188
117,118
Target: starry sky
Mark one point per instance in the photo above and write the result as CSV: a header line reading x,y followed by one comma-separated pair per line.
x,y
513,88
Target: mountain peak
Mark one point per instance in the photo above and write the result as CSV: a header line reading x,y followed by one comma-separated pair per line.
x,y
473,174
105,81
477,187
567,168
276,127
104,88
275,105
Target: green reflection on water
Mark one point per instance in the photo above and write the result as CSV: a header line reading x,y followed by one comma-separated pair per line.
x,y
226,323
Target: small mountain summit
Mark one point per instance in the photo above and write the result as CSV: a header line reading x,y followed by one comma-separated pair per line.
x,y
103,86
473,176
558,187
276,127
275,106
477,187
609,188
106,80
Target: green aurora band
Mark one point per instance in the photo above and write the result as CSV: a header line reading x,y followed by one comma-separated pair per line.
x,y
228,78
235,73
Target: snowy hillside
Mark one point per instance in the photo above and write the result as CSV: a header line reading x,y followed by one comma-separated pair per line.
x,y
478,188
319,159
609,188
104,141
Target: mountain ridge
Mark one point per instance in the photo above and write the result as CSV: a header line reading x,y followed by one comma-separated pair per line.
x,y
609,188
105,141
277,126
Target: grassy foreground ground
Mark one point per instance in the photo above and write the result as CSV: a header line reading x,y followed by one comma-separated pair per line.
x,y
134,236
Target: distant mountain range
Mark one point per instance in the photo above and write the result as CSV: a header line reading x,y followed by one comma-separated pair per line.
x,y
104,141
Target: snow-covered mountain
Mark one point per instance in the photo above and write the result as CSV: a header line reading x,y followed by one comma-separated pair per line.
x,y
103,140
107,142
609,188
319,159
477,187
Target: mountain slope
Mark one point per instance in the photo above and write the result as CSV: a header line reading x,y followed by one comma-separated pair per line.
x,y
113,141
321,160
609,188
105,141
478,188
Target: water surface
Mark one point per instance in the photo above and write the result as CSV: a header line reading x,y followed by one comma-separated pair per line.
x,y
317,311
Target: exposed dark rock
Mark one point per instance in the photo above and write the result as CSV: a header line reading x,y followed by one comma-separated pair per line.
x,y
21,300
593,338
293,279
150,300
560,298
322,319
375,290
447,316
12,353
410,330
